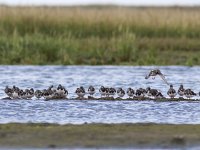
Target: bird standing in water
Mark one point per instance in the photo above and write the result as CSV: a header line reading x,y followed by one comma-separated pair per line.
x,y
130,92
171,92
80,92
120,92
154,73
91,90
189,93
181,90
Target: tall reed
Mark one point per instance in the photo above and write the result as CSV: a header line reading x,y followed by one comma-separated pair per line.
x,y
99,35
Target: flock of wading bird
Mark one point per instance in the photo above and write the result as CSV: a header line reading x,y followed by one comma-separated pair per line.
x,y
60,92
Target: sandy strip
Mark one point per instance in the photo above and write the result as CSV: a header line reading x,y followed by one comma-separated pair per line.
x,y
98,135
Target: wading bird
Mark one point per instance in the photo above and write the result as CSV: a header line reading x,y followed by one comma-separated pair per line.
x,y
171,92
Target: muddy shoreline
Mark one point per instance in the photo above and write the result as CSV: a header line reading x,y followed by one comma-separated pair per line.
x,y
98,135
114,99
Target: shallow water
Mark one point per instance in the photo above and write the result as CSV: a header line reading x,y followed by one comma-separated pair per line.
x,y
111,148
90,111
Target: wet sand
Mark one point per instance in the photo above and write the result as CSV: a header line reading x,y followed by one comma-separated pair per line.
x,y
116,99
99,135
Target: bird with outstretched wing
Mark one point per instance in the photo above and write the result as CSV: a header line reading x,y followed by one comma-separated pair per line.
x,y
153,73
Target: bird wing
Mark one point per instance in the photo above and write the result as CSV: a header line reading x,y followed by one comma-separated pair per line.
x,y
163,77
148,75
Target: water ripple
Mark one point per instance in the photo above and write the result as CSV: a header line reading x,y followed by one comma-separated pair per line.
x,y
81,111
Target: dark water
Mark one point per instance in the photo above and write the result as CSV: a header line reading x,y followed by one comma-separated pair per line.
x,y
81,111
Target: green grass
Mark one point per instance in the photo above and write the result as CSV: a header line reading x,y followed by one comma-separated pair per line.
x,y
98,35
98,135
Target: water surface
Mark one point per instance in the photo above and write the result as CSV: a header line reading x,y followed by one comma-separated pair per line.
x,y
90,111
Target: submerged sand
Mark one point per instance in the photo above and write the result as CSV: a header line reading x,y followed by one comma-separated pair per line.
x,y
117,99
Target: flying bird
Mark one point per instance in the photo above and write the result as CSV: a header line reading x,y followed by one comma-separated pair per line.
x,y
154,73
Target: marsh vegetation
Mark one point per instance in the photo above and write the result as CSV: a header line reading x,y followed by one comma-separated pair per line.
x,y
95,35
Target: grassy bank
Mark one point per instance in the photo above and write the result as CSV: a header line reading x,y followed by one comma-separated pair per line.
x,y
98,135
99,35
